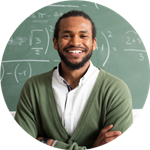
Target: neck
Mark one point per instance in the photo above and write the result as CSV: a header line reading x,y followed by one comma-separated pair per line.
x,y
73,76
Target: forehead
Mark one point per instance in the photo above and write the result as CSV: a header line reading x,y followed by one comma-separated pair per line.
x,y
75,24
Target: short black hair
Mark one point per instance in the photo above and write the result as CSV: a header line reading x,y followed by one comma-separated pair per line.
x,y
74,13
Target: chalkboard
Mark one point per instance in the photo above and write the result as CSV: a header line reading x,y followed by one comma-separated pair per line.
x,y
120,50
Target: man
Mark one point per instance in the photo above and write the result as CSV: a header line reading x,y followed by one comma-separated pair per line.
x,y
76,105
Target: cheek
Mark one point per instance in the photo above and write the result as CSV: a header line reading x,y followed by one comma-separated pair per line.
x,y
88,44
63,43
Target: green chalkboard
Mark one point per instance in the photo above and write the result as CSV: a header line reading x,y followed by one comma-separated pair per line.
x,y
120,51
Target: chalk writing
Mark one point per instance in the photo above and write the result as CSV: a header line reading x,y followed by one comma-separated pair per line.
x,y
36,21
130,31
132,40
109,34
38,41
20,74
141,57
63,6
27,60
31,37
108,49
102,48
43,17
17,41
24,72
48,39
36,44
10,40
134,50
114,49
51,29
2,72
21,41
96,6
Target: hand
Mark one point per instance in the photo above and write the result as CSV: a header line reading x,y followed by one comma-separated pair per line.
x,y
39,138
105,136
49,142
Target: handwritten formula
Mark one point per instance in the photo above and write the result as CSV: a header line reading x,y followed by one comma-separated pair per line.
x,y
40,46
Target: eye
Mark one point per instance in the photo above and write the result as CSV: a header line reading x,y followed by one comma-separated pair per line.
x,y
84,36
66,35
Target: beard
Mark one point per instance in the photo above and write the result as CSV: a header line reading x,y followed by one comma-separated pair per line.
x,y
75,66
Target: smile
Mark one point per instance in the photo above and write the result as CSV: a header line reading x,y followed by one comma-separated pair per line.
x,y
75,53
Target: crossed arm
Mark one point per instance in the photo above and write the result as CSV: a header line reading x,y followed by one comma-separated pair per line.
x,y
49,142
105,136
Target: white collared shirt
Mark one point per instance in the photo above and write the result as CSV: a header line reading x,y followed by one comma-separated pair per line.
x,y
70,104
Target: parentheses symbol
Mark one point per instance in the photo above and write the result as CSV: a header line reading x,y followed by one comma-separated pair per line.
x,y
47,40
3,73
108,49
16,73
30,70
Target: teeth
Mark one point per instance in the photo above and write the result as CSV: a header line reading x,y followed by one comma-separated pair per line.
x,y
75,51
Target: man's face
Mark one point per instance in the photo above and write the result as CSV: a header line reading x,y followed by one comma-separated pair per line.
x,y
75,44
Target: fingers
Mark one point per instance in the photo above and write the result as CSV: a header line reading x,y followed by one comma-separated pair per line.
x,y
107,140
39,138
111,135
106,129
106,136
104,132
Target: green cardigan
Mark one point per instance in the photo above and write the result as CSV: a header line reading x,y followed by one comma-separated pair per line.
x,y
110,102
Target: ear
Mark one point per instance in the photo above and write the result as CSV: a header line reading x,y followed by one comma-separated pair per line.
x,y
94,44
55,43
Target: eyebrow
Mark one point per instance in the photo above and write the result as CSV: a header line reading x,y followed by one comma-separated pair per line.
x,y
68,31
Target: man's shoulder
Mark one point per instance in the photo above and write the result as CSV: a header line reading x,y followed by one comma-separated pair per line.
x,y
110,78
116,85
112,83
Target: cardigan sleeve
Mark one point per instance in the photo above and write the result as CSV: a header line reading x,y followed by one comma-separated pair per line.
x,y
119,111
24,114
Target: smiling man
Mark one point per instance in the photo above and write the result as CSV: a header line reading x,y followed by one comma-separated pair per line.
x,y
76,105
75,46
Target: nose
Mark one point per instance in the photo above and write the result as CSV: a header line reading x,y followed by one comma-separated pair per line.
x,y
75,41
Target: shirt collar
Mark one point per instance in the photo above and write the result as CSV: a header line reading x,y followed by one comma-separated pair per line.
x,y
88,73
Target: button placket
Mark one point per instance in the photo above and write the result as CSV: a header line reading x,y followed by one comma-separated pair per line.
x,y
68,113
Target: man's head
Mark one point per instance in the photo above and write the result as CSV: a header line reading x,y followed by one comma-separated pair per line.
x,y
75,39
